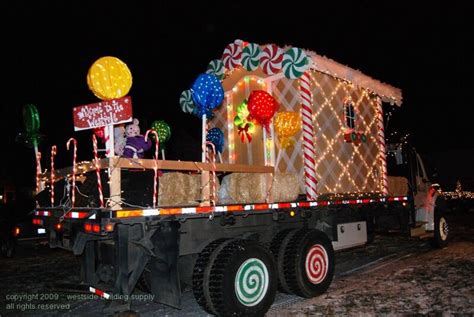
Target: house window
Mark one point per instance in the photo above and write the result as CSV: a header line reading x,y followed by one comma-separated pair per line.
x,y
349,114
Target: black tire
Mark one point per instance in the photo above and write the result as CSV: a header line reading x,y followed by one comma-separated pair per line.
x,y
243,280
441,230
277,247
201,272
309,263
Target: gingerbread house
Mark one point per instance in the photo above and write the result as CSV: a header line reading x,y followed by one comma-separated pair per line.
x,y
340,147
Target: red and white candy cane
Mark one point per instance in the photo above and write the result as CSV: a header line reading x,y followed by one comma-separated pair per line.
x,y
211,158
155,168
38,171
54,151
73,195
381,143
97,170
308,134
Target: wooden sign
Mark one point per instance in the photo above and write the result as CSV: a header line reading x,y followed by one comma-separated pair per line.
x,y
101,114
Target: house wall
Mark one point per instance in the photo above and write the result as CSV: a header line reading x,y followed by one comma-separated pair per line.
x,y
341,167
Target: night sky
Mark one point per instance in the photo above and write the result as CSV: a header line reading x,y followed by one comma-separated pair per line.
x,y
47,48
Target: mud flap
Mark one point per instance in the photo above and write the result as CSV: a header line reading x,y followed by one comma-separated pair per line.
x,y
165,285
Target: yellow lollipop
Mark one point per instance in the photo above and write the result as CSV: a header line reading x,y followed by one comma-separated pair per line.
x,y
287,124
109,78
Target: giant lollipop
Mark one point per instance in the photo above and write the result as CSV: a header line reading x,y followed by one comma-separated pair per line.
x,y
207,94
287,124
109,78
216,137
262,106
164,134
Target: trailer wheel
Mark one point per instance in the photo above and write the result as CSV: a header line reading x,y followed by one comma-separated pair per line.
x,y
277,247
201,273
309,263
243,280
441,230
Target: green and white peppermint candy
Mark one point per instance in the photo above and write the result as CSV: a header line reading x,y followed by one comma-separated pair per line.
x,y
251,56
186,101
295,63
216,68
251,282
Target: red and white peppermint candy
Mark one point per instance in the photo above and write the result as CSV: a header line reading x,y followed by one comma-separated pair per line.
x,y
271,58
232,56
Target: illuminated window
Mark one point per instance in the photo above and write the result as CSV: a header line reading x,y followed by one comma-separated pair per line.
x,y
349,114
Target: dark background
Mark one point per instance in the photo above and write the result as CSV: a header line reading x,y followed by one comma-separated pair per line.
x,y
48,46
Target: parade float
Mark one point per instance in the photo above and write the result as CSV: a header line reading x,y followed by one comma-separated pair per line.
x,y
293,167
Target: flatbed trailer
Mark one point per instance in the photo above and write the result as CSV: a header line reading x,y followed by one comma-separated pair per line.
x,y
168,249
234,256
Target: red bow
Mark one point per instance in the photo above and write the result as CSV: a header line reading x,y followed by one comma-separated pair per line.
x,y
244,132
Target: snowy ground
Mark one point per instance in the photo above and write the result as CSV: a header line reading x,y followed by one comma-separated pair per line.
x,y
391,276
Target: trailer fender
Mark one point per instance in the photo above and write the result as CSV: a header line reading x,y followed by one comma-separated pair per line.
x,y
165,282
80,242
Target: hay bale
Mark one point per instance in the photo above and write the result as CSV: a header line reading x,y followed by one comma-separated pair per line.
x,y
251,188
397,186
285,187
179,189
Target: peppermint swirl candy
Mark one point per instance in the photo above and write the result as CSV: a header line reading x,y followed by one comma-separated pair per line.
x,y
186,101
232,56
271,58
216,68
295,63
251,56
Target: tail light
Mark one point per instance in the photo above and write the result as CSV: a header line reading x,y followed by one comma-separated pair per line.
x,y
58,226
109,227
87,227
38,222
16,231
96,228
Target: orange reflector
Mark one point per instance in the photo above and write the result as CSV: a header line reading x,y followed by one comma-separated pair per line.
x,y
96,227
109,227
87,227
292,213
58,226
130,213
16,231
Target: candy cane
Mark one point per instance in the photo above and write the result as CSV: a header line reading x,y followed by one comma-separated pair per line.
x,y
381,142
97,171
308,145
155,168
53,153
212,159
38,171
73,199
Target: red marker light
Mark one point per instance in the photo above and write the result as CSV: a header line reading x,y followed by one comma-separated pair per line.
x,y
87,227
96,227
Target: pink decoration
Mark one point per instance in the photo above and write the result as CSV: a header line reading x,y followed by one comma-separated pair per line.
x,y
308,134
381,142
97,171
271,59
155,179
38,171
73,195
211,158
53,154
